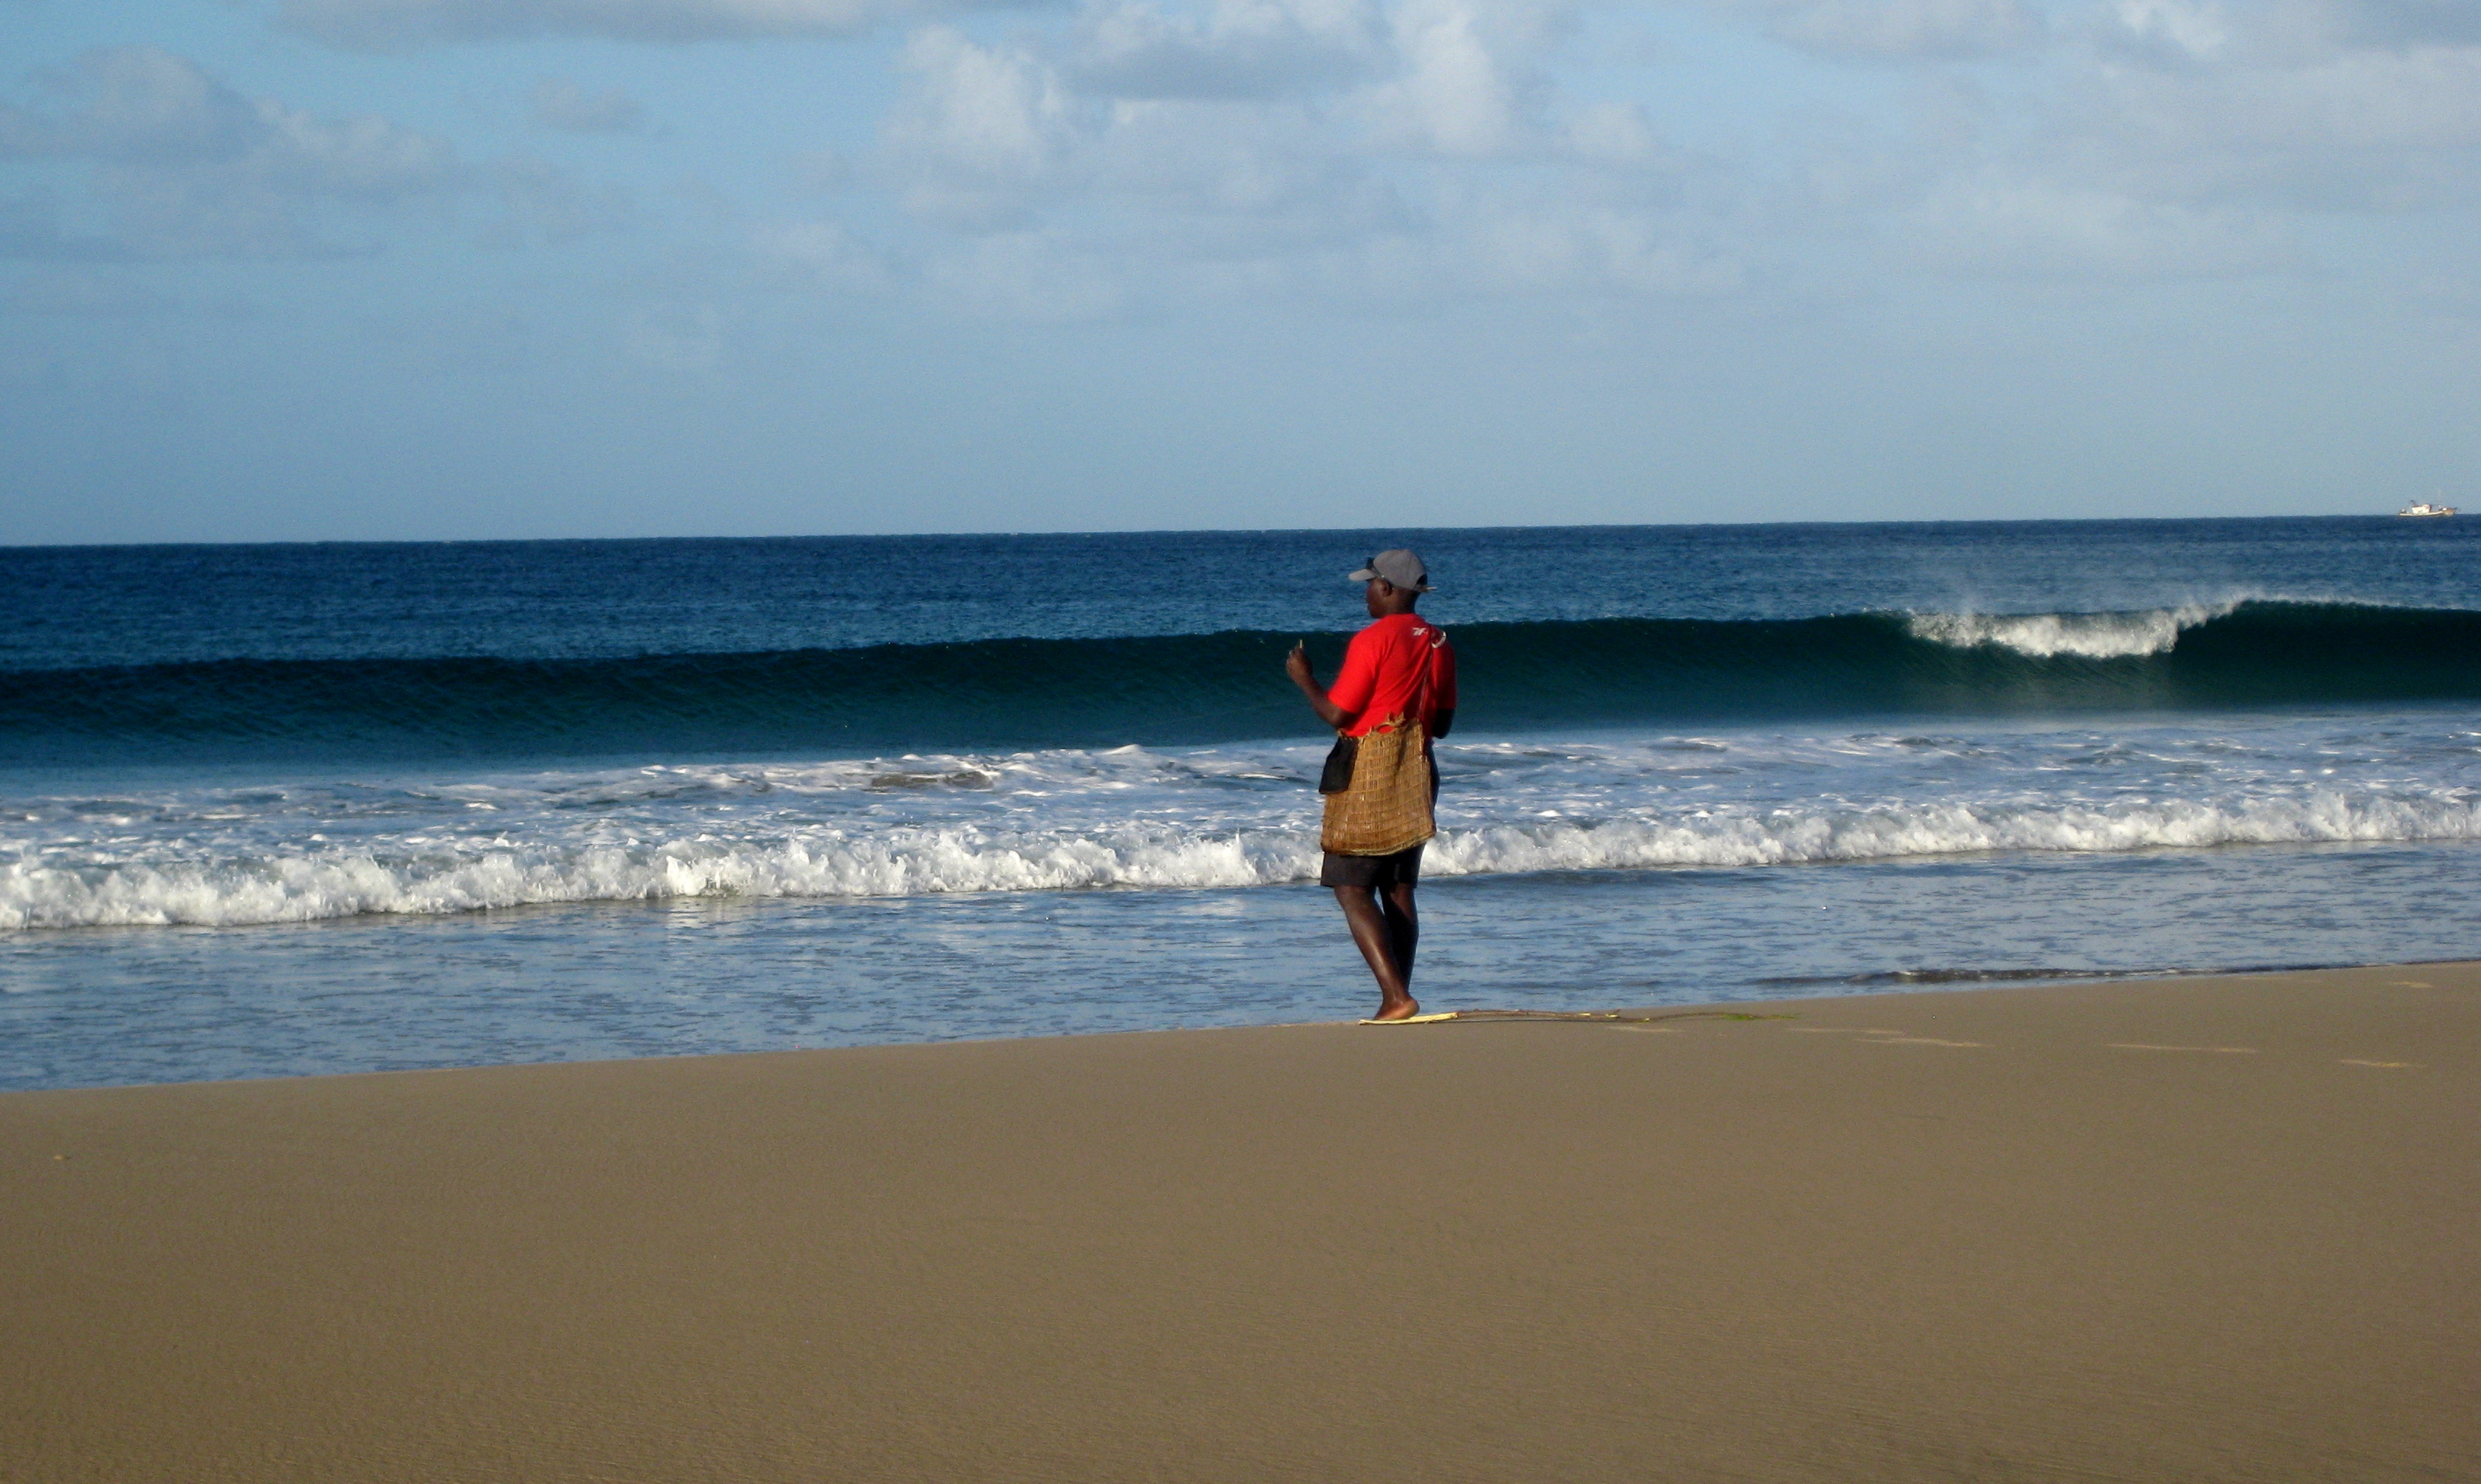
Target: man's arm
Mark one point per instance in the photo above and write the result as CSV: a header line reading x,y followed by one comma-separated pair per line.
x,y
1440,722
1296,665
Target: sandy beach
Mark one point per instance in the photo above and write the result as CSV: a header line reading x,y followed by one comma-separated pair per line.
x,y
2193,1230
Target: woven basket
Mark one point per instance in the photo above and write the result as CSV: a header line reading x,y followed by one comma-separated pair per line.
x,y
1387,807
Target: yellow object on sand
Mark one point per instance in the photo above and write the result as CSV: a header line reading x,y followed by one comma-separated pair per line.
x,y
1607,1017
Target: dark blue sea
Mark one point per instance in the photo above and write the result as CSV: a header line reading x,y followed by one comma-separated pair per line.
x,y
270,810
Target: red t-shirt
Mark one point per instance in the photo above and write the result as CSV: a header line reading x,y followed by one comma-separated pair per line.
x,y
1401,664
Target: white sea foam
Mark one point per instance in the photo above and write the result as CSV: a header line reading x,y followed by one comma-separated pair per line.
x,y
301,849
2088,636
300,887
304,887
1787,839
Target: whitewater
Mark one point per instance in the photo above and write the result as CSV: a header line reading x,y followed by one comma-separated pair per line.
x,y
1215,817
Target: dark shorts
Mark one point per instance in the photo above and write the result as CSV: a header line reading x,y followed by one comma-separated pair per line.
x,y
1401,868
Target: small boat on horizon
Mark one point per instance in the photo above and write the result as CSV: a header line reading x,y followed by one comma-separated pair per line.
x,y
2424,507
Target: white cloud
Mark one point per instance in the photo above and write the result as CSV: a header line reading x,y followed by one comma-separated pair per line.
x,y
980,129
382,25
2004,227
185,166
2428,99
819,254
364,157
561,104
1454,96
1240,49
1276,146
1908,28
1216,178
1619,132
1035,275
1595,250
1148,153
539,202
2361,128
2407,22
135,105
180,165
2193,28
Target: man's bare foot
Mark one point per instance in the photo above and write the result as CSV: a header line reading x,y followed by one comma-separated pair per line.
x,y
1405,1009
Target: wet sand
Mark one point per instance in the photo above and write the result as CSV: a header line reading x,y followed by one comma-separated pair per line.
x,y
2197,1230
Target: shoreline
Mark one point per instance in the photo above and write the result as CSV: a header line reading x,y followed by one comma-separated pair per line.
x,y
2209,1227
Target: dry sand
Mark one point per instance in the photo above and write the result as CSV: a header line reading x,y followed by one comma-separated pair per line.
x,y
2198,1229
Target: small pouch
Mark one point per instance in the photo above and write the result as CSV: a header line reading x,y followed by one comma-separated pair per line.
x,y
1337,776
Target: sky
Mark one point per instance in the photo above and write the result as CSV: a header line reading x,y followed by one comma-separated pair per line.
x,y
319,270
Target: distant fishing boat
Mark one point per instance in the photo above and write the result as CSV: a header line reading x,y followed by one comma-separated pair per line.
x,y
2424,507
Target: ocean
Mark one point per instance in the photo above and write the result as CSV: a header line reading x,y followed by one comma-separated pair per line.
x,y
273,810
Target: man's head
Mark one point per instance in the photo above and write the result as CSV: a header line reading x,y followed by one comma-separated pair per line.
x,y
1396,581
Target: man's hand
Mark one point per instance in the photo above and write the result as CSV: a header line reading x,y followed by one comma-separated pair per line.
x,y
1296,665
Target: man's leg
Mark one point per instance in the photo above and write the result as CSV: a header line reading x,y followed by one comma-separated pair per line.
x,y
1373,934
1403,927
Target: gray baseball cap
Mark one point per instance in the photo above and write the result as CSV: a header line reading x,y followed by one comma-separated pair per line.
x,y
1399,567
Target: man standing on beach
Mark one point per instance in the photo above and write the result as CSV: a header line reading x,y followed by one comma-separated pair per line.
x,y
1395,695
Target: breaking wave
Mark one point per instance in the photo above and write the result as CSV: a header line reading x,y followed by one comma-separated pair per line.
x,y
455,876
2084,636
1180,689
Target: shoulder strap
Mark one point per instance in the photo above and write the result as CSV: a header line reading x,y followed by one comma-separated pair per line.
x,y
1430,685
